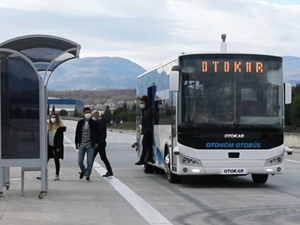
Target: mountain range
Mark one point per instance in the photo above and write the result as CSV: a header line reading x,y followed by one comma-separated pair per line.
x,y
96,73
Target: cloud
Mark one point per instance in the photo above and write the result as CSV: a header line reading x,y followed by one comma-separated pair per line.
x,y
149,32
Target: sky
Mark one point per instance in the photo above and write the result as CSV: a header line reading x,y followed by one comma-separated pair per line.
x,y
149,32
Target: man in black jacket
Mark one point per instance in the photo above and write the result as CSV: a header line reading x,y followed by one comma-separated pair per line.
x,y
86,141
147,130
102,142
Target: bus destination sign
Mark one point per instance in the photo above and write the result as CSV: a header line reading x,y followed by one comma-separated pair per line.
x,y
232,66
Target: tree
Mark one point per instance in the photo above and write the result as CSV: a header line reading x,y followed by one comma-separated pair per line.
x,y
287,115
122,116
296,90
63,112
133,107
107,114
295,112
53,108
125,106
131,115
116,112
291,111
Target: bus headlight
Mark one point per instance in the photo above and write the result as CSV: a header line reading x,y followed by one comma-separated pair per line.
x,y
186,160
274,161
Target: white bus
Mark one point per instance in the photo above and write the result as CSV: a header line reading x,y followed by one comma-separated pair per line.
x,y
222,114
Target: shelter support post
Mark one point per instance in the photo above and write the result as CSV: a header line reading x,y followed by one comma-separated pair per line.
x,y
43,138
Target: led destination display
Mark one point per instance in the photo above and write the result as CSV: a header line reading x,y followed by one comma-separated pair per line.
x,y
232,66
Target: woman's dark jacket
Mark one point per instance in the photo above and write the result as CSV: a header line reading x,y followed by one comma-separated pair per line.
x,y
94,131
58,143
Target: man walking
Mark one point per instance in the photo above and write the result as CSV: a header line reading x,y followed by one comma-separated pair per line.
x,y
102,142
86,141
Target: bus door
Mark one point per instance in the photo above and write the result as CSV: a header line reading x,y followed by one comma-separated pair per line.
x,y
151,96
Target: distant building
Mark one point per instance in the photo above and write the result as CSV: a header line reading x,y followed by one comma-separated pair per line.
x,y
70,105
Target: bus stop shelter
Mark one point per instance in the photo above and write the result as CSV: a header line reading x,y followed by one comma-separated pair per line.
x,y
26,65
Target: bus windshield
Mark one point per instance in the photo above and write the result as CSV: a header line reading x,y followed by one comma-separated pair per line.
x,y
227,89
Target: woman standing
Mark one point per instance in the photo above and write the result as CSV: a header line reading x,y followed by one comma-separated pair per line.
x,y
55,131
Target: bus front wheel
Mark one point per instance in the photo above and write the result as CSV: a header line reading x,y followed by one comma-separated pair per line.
x,y
172,178
259,178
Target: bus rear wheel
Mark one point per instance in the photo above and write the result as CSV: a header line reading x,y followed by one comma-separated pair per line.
x,y
172,178
259,178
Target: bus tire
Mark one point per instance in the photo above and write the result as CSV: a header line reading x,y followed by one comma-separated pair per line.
x,y
259,178
172,178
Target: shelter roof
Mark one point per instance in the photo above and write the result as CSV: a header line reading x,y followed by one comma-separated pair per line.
x,y
45,51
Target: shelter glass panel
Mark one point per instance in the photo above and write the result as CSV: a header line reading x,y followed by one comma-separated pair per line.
x,y
19,108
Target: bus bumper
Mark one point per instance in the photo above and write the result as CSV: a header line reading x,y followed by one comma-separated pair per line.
x,y
240,170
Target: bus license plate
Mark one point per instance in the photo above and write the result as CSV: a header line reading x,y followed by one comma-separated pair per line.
x,y
234,171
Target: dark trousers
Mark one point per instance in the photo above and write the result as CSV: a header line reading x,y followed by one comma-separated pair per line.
x,y
102,153
147,146
56,159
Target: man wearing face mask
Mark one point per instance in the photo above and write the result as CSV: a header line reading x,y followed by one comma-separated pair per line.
x,y
86,141
147,130
102,142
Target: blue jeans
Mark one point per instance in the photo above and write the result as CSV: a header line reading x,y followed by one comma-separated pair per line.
x,y
90,158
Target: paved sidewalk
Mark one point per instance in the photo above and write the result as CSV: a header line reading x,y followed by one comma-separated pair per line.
x,y
68,201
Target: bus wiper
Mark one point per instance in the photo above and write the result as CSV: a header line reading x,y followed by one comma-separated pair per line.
x,y
236,124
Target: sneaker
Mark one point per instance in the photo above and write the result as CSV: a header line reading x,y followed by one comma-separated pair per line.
x,y
108,174
87,179
56,177
81,175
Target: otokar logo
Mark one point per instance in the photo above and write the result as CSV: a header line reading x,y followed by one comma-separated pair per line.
x,y
234,135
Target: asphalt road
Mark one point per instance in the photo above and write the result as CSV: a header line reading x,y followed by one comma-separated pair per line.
x,y
133,197
210,200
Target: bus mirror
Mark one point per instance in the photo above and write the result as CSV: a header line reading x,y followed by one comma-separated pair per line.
x,y
287,93
174,81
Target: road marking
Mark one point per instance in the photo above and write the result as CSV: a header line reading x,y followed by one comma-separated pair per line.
x,y
150,214
289,160
68,140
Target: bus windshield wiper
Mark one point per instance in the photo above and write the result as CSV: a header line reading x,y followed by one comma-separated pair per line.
x,y
236,124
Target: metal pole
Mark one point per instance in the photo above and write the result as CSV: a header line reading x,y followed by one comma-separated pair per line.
x,y
43,138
